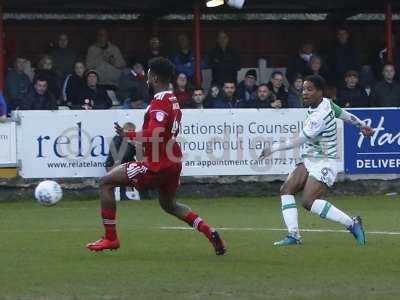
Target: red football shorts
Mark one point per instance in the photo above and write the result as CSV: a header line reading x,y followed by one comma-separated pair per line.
x,y
167,180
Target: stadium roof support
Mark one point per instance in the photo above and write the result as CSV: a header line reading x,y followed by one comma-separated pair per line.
x,y
2,63
197,42
389,31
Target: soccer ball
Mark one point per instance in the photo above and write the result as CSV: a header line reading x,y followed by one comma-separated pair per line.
x,y
48,193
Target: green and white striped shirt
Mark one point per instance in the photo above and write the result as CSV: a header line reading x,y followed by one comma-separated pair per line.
x,y
320,129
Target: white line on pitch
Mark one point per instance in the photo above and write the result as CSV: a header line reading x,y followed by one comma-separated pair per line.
x,y
281,229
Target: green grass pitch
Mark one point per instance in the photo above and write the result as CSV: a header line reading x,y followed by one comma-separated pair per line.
x,y
42,253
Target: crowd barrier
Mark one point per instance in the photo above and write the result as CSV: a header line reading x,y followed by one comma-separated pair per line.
x,y
54,144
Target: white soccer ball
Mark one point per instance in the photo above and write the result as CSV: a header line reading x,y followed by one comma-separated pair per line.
x,y
48,192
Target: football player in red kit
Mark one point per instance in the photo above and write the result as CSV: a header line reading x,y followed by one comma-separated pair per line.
x,y
161,166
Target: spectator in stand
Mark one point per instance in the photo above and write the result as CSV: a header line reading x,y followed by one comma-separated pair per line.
x,y
317,67
134,100
133,81
94,96
228,97
45,70
295,93
182,90
17,84
74,84
155,50
352,95
184,59
278,89
263,99
197,101
63,57
224,61
213,94
3,107
39,96
386,93
343,57
106,59
299,63
247,88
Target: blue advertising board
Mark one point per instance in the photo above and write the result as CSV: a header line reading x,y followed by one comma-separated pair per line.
x,y
379,154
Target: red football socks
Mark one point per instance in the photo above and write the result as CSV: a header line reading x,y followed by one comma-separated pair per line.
x,y
109,223
197,223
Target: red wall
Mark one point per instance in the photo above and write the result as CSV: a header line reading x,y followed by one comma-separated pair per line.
x,y
274,41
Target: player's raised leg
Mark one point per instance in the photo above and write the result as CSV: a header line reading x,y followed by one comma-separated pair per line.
x,y
116,177
167,199
313,201
294,183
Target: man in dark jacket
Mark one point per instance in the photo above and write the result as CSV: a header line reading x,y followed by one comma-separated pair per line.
x,y
343,57
93,96
39,97
298,64
228,98
247,88
278,89
264,97
17,84
386,93
133,78
352,95
224,61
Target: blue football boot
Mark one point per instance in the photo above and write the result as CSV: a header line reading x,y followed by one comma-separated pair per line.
x,y
357,230
289,240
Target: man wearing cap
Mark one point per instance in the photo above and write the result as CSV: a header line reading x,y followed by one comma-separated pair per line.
x,y
247,88
93,96
352,94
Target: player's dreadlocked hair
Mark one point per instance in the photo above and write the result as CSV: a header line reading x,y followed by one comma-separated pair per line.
x,y
163,68
318,81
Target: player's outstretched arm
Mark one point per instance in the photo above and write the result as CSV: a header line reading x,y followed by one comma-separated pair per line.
x,y
288,144
352,119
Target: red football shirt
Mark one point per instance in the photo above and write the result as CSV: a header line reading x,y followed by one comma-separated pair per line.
x,y
160,128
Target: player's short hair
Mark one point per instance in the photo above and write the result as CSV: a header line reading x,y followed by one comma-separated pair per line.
x,y
163,68
317,80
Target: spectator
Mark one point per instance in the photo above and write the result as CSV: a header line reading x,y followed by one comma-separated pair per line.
x,y
295,94
386,93
299,63
74,84
121,151
63,57
182,90
93,96
264,98
197,101
352,95
39,96
247,88
228,98
224,61
45,70
213,94
317,67
343,57
154,51
133,82
17,84
184,59
3,107
106,59
278,89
